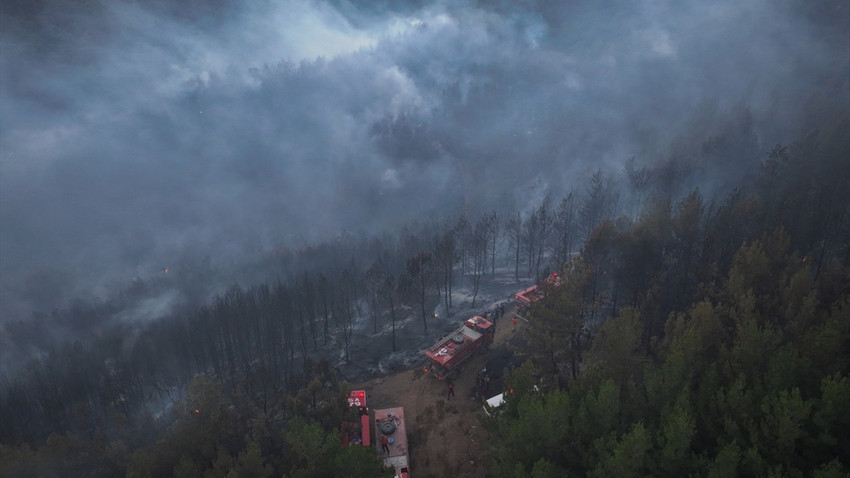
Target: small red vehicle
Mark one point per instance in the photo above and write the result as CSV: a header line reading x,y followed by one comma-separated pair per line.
x,y
357,433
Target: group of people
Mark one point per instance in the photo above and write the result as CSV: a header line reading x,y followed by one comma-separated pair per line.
x,y
496,313
500,311
482,385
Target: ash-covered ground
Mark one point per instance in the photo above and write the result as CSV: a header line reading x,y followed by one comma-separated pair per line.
x,y
371,353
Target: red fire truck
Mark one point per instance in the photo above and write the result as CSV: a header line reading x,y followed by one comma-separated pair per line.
x,y
357,433
524,299
389,423
447,355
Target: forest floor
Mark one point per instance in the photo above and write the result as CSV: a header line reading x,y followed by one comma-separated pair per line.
x,y
445,435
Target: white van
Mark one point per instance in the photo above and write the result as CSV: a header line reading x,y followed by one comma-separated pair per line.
x,y
492,404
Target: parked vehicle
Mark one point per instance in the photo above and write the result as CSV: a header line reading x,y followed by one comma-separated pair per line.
x,y
526,298
389,423
491,405
357,433
447,356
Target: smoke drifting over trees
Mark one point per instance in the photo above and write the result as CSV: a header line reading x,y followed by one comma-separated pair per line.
x,y
141,134
239,192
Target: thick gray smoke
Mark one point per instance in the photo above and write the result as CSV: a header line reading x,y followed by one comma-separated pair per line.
x,y
136,134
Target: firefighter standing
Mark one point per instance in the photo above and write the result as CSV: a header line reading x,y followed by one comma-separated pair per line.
x,y
385,447
451,390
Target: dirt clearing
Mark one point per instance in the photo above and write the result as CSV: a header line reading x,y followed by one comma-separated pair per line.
x,y
445,435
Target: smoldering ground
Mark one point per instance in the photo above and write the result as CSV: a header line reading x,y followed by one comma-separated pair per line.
x,y
137,133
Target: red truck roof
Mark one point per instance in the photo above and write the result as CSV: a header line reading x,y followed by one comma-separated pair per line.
x,y
357,398
529,296
534,293
389,422
456,346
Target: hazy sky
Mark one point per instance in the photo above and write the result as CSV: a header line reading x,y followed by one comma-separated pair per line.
x,y
133,133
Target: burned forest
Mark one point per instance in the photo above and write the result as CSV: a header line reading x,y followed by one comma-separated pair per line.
x,y
213,227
